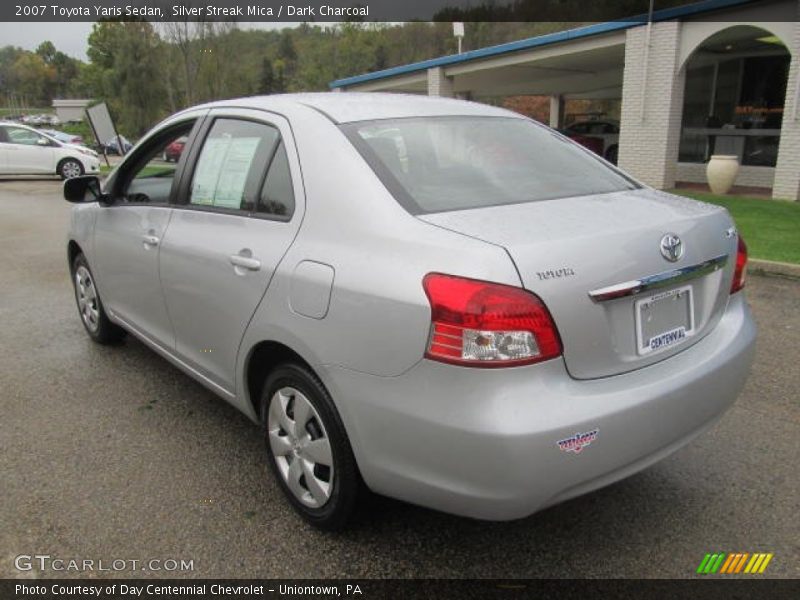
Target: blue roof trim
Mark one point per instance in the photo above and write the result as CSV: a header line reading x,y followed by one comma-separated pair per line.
x,y
665,14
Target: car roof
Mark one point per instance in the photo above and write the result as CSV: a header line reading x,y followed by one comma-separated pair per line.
x,y
348,107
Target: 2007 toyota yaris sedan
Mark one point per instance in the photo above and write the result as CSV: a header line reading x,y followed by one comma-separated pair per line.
x,y
441,301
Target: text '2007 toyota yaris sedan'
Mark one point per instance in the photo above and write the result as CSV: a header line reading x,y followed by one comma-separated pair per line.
x,y
440,301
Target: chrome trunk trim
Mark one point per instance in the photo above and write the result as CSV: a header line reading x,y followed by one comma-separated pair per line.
x,y
661,280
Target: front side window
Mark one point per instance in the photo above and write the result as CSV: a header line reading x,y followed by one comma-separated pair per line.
x,y
232,163
151,178
437,164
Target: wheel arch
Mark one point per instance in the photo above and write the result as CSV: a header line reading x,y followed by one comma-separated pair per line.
x,y
73,249
261,360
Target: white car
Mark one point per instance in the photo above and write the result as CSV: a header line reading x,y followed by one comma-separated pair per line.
x,y
26,151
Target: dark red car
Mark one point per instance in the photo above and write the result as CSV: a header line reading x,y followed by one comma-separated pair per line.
x,y
173,152
601,137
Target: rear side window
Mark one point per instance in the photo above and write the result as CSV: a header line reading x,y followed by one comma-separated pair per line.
x,y
437,164
231,164
277,195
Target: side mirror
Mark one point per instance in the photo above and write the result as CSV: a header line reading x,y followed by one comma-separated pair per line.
x,y
42,141
85,188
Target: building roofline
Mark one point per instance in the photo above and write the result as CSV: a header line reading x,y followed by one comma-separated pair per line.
x,y
665,14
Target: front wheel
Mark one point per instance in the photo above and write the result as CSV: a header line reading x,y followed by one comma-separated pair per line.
x,y
93,315
307,447
69,168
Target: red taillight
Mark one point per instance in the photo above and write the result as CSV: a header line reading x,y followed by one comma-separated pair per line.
x,y
482,324
740,273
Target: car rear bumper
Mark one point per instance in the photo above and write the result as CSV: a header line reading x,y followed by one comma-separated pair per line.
x,y
484,442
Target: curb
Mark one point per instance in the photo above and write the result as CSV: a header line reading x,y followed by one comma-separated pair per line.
x,y
773,268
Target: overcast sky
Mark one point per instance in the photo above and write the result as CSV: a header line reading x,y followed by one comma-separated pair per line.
x,y
70,38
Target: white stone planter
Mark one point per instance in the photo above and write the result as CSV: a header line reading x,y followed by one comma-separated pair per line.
x,y
721,172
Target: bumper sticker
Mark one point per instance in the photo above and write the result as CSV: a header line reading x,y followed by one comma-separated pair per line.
x,y
577,442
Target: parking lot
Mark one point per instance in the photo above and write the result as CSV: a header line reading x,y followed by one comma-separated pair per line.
x,y
111,453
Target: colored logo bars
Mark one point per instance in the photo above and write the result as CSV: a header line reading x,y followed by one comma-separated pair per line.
x,y
734,562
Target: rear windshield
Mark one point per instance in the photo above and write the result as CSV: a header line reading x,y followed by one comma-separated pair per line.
x,y
437,164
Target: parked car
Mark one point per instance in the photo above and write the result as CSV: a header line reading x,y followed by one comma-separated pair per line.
x,y
41,120
27,151
61,136
112,145
418,294
602,137
175,149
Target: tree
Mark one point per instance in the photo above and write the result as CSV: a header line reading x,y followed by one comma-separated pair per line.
x,y
47,51
286,64
104,43
138,76
267,79
30,76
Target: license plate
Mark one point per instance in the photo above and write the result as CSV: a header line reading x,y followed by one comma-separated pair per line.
x,y
664,319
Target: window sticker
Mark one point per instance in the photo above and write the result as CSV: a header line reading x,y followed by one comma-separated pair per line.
x,y
222,170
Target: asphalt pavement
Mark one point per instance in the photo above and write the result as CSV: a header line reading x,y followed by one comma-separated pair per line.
x,y
113,454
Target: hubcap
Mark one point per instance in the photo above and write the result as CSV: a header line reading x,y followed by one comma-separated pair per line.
x,y
301,447
71,169
87,298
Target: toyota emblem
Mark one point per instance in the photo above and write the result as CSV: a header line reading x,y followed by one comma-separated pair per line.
x,y
671,247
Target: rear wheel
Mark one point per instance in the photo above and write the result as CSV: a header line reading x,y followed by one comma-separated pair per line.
x,y
307,447
69,168
93,315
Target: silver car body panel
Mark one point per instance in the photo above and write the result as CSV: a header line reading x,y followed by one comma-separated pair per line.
x,y
341,285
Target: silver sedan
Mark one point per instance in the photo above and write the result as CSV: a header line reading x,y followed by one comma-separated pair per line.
x,y
436,300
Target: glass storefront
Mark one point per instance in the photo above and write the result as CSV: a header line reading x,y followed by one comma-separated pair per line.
x,y
734,96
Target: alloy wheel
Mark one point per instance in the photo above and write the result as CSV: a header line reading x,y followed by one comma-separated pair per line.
x,y
70,169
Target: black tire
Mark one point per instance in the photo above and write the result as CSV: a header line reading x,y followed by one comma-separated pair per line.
x,y
70,167
104,331
612,154
346,487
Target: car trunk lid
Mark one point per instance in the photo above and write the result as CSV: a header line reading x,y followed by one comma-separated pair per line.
x,y
596,262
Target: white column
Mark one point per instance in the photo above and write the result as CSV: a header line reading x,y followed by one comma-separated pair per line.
x,y
652,105
787,171
439,84
556,110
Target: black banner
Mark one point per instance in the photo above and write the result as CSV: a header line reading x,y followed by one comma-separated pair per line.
x,y
389,10
217,589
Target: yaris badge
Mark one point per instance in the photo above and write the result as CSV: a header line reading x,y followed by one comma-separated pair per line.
x,y
671,247
578,442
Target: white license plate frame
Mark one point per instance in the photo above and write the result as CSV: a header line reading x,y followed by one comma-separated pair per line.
x,y
670,337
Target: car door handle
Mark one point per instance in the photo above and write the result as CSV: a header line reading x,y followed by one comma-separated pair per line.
x,y
245,262
150,240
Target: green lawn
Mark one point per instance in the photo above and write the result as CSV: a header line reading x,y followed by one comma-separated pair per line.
x,y
5,111
771,228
